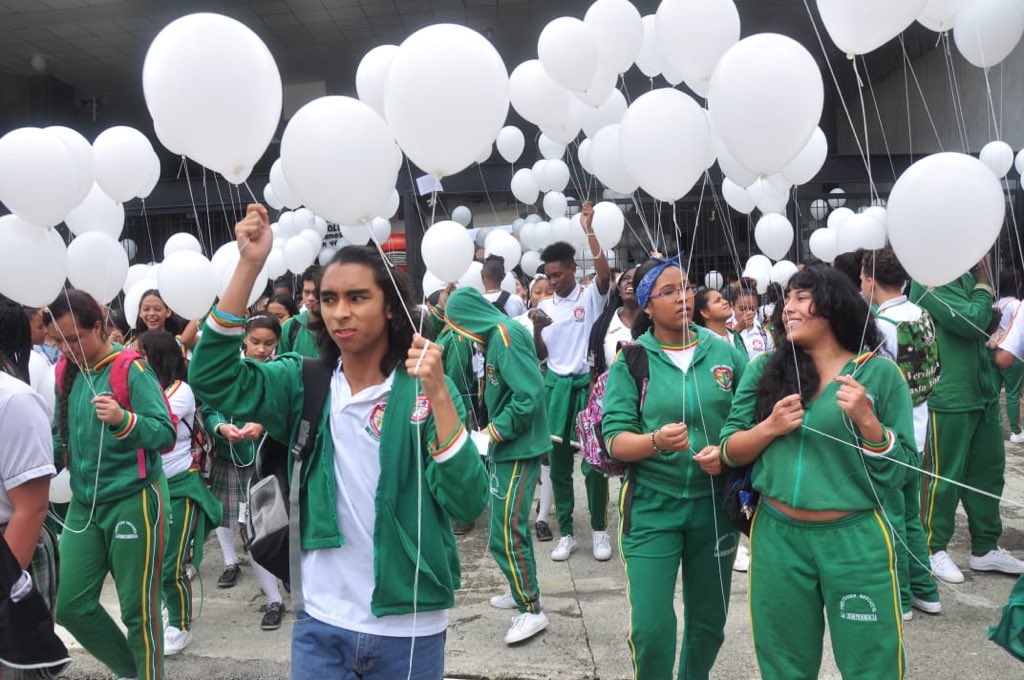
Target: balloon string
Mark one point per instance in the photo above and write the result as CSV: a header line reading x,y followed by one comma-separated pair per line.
x,y
878,115
954,91
206,204
487,193
917,84
223,207
149,232
195,210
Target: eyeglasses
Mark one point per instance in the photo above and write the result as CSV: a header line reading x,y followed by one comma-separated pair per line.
x,y
673,292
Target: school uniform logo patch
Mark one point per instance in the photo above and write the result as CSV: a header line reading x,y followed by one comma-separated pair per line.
x,y
492,375
858,607
422,409
580,313
376,420
722,376
125,531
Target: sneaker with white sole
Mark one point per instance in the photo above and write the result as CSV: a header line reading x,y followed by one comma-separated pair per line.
x,y
1017,437
742,561
176,640
602,546
997,560
927,606
525,626
944,568
504,601
566,547
908,615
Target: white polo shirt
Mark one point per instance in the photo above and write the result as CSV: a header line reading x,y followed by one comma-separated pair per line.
x,y
183,406
27,443
568,336
889,315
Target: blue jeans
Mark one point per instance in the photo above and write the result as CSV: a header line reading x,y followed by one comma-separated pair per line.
x,y
320,650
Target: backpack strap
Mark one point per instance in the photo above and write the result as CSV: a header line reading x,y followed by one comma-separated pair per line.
x,y
501,301
293,332
636,362
316,381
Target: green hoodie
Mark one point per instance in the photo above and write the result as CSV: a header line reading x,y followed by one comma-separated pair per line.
x,y
513,386
242,453
961,311
271,394
305,339
706,390
457,353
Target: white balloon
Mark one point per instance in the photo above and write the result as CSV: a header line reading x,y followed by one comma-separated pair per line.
x,y
665,140
471,278
549,148
556,175
98,265
313,237
197,70
380,230
286,225
526,235
123,158
271,198
767,198
480,235
606,157
320,226
391,207
509,283
714,279
782,272
609,112
987,31
447,250
693,35
944,213
567,131
534,218
601,87
299,253
561,230
819,208
154,178
133,296
649,59
536,96
504,245
618,30
439,132
510,143
188,283
338,156
838,216
276,266
555,204
225,261
1018,162
840,198
285,194
568,51
303,218
39,181
182,241
543,235
530,262
60,487
462,215
608,223
81,155
524,186
759,268
485,155
732,168
98,212
326,255
583,156
33,262
765,100
860,27
774,235
738,198
998,156
136,273
432,284
356,234
372,76
808,162
538,173
130,248
938,15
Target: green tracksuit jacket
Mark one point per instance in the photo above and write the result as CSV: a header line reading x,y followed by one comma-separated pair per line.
x,y
242,453
305,340
458,366
706,391
513,386
271,394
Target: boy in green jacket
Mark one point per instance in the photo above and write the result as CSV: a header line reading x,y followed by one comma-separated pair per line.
x,y
518,429
296,335
390,463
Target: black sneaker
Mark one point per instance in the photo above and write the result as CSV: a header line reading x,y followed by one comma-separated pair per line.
x,y
272,617
462,528
229,577
543,531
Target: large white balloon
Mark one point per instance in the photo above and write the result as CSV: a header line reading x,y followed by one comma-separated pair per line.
x,y
619,31
530,262
944,213
649,59
608,223
462,215
339,157
665,140
82,156
98,265
583,156
270,197
774,235
188,283
442,129
98,212
276,266
356,234
504,245
225,262
693,35
809,161
732,168
859,27
447,250
568,51
819,208
759,268
555,174
1018,162
153,177
133,296
768,198
372,76
608,113
182,241
510,143
938,15
197,71
555,204
838,217
282,190
567,131
549,148
136,273
823,244
782,272
536,96
524,186
33,262
123,158
472,277
299,253
39,181
391,207
601,87
738,198
987,31
765,101
606,157
998,156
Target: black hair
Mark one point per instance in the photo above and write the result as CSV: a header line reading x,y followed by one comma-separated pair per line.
x,y
885,268
286,282
700,303
15,339
164,355
312,273
600,329
560,251
791,370
643,321
174,324
850,264
116,321
747,288
397,298
493,269
1009,283
286,301
266,321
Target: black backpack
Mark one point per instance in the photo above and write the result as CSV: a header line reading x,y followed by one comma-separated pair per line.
x,y
501,301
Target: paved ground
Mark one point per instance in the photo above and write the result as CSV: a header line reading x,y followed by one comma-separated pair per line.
x,y
586,603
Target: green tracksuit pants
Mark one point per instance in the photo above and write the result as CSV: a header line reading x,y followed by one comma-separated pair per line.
x,y
912,566
124,537
657,536
512,485
1012,379
801,572
968,448
177,587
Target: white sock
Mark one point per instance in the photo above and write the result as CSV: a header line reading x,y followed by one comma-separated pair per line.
x,y
226,538
546,493
268,582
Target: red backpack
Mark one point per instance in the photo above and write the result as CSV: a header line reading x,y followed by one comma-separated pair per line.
x,y
122,395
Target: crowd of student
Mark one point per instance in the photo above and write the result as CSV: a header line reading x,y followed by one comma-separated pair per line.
x,y
833,410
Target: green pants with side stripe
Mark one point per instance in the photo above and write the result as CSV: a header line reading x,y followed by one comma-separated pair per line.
x,y
177,587
801,572
124,537
512,486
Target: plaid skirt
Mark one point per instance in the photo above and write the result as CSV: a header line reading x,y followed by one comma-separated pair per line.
x,y
230,485
44,570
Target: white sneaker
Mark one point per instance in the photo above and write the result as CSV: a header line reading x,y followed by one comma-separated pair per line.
x,y
176,640
926,606
742,562
525,626
997,560
944,568
566,547
504,601
602,546
1017,437
908,615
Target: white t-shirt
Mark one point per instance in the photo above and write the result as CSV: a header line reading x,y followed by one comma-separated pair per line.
x,y
568,336
617,332
27,450
756,340
681,357
1008,306
337,583
888,317
514,306
183,406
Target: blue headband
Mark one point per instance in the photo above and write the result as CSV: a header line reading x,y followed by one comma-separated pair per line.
x,y
643,289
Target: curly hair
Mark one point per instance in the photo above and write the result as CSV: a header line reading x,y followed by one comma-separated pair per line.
x,y
884,267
